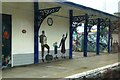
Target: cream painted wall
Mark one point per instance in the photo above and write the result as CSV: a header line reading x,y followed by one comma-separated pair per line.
x,y
54,33
0,7
22,18
115,37
60,26
119,6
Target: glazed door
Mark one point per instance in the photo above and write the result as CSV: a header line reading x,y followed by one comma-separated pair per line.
x,y
6,41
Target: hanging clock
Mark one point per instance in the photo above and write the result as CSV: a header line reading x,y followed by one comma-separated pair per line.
x,y
50,21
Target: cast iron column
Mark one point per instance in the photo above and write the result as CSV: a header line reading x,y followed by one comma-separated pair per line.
x,y
109,34
36,32
71,33
98,37
85,35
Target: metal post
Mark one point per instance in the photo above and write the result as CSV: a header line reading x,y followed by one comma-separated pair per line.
x,y
98,38
109,36
71,33
85,35
35,32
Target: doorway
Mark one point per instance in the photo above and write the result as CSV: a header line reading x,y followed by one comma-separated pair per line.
x,y
6,40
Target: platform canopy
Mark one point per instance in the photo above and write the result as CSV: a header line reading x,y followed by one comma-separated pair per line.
x,y
77,8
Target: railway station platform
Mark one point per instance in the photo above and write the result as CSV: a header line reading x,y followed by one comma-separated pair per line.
x,y
62,68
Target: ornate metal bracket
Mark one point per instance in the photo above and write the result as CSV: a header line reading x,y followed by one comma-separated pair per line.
x,y
43,13
82,18
93,21
104,23
78,18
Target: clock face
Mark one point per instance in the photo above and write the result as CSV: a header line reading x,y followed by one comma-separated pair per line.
x,y
50,21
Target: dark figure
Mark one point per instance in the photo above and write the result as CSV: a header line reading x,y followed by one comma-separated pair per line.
x,y
62,45
43,41
55,50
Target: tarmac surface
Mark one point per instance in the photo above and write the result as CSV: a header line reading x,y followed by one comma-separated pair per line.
x,y
62,68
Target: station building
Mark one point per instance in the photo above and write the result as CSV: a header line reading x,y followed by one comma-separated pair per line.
x,y
23,23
